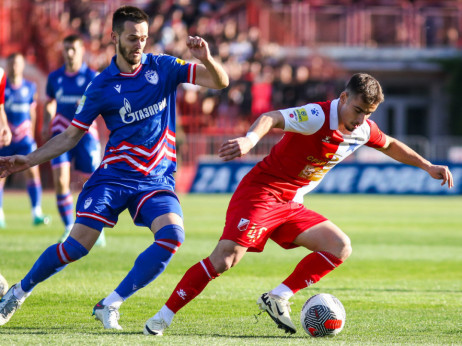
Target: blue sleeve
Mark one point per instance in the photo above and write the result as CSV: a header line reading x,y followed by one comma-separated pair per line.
x,y
179,71
50,90
89,107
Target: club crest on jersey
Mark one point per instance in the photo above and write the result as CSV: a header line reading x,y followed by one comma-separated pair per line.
x,y
243,224
24,91
152,77
80,80
87,202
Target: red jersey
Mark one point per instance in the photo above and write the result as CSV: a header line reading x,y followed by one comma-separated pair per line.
x,y
2,85
311,147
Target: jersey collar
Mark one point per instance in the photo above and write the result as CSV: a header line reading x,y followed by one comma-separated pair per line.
x,y
114,70
334,114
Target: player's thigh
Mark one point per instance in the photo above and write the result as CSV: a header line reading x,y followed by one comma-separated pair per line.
x,y
157,209
325,236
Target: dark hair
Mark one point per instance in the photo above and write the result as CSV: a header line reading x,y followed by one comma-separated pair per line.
x,y
127,13
14,55
367,86
73,38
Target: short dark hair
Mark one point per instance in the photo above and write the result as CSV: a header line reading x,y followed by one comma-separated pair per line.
x,y
367,86
127,13
14,55
73,38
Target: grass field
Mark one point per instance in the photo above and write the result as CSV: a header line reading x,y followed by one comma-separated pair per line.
x,y
402,284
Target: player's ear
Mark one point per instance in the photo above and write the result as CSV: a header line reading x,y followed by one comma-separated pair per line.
x,y
114,36
343,97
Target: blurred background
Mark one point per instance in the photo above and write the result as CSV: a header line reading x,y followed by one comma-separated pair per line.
x,y
278,54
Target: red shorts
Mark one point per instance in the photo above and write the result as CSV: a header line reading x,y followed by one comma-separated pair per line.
x,y
254,215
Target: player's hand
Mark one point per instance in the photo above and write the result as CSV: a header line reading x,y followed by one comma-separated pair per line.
x,y
13,164
198,47
233,148
441,173
5,136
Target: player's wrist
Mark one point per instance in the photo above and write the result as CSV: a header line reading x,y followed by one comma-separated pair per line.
x,y
253,137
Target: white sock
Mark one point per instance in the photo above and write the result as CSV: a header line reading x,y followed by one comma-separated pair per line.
x,y
37,211
113,300
166,314
19,293
282,291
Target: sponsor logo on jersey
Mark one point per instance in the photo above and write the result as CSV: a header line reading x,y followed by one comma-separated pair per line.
x,y
152,77
70,99
128,116
243,224
301,115
326,139
87,202
81,103
181,62
24,91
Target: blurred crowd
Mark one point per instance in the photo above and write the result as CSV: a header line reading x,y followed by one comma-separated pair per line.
x,y
259,80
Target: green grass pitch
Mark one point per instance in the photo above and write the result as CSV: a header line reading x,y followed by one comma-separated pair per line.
x,y
402,284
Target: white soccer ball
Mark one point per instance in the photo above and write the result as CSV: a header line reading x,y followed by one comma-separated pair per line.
x,y
3,286
323,315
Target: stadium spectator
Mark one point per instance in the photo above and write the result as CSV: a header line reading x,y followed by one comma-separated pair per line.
x,y
267,204
65,88
136,97
20,108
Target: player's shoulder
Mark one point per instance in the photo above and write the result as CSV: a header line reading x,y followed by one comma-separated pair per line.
x,y
56,73
165,60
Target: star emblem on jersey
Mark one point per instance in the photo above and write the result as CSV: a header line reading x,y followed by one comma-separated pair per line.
x,y
80,80
243,224
87,202
118,87
152,77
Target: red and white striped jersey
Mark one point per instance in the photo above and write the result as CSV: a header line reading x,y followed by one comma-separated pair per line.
x,y
310,148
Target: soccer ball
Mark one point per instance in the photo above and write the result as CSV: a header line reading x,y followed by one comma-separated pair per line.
x,y
3,286
323,315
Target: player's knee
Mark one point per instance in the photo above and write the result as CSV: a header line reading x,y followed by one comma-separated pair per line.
x,y
72,250
343,248
173,234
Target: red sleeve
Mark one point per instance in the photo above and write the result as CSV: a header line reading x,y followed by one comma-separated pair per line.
x,y
2,86
377,139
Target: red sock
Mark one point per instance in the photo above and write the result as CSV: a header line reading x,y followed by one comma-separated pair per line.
x,y
311,269
192,284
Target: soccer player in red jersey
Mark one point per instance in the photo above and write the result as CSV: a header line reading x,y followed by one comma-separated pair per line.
x,y
5,132
268,202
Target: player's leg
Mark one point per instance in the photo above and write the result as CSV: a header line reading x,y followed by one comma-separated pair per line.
x,y
330,248
51,261
86,156
34,189
64,199
226,255
168,237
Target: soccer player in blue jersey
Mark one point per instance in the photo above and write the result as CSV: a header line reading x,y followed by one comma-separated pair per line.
x,y
5,132
136,97
20,108
64,89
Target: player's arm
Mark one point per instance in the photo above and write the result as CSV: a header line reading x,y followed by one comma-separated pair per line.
x,y
51,149
49,112
238,147
402,153
209,74
5,132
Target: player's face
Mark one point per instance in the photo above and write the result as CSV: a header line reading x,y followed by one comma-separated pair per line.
x,y
131,41
353,111
15,67
73,54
